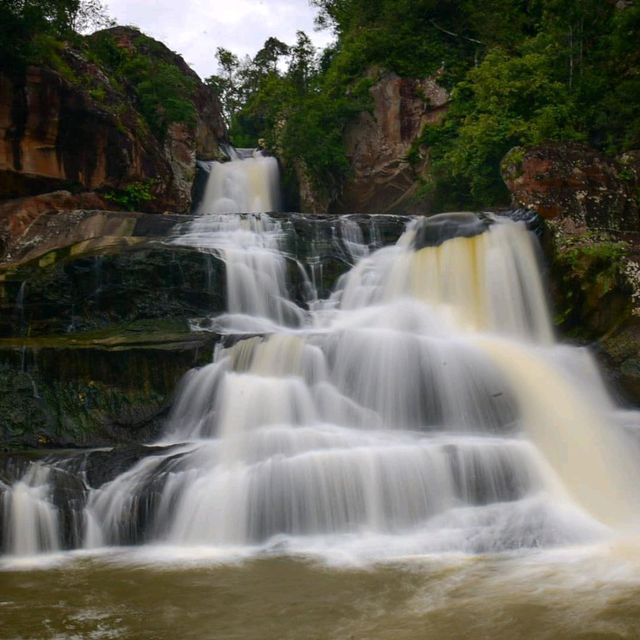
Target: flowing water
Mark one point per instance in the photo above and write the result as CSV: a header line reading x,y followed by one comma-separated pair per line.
x,y
412,456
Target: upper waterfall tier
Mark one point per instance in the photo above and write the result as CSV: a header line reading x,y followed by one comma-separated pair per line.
x,y
248,183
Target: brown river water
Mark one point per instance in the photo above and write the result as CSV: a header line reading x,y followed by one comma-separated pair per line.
x,y
579,594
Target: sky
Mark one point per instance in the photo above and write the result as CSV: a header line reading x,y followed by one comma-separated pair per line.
x,y
195,28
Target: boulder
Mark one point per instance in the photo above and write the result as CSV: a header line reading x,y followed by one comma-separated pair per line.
x,y
575,183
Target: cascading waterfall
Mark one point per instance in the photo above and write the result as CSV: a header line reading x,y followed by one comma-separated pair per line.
x,y
423,406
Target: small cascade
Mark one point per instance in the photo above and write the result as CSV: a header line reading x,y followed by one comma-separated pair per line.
x,y
31,520
252,250
248,183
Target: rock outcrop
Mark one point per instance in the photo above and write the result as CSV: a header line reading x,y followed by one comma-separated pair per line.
x,y
576,183
94,326
73,125
383,179
99,310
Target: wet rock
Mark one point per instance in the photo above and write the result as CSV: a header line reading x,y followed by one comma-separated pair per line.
x,y
100,467
433,231
17,216
595,290
94,389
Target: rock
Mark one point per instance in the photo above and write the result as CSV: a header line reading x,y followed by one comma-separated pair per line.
x,y
434,230
209,130
73,125
100,467
93,229
595,287
17,216
94,389
109,275
575,183
310,200
54,135
383,179
96,310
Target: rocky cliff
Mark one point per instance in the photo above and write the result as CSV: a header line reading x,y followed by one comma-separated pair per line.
x,y
576,183
378,143
86,120
387,163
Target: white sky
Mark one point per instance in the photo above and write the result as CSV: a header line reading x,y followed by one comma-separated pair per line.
x,y
195,28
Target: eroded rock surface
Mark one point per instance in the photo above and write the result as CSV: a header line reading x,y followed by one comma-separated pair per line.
x,y
378,143
74,126
576,183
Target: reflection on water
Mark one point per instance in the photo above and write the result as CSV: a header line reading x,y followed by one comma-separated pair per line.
x,y
578,594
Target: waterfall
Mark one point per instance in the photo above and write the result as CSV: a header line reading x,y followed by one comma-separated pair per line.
x,y
31,519
424,403
248,183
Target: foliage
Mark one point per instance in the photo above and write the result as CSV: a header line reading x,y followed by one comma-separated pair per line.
x,y
25,25
163,92
506,101
133,196
281,100
520,72
560,83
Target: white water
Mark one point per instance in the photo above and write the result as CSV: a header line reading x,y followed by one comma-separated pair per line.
x,y
423,407
31,520
248,184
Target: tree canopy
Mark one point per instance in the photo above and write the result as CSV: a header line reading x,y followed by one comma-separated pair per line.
x,y
519,72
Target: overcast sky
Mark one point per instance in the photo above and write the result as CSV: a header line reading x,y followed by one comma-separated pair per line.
x,y
195,28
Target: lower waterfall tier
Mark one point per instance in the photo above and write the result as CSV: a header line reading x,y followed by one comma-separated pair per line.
x,y
421,407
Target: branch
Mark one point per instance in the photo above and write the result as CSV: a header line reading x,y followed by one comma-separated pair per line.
x,y
455,35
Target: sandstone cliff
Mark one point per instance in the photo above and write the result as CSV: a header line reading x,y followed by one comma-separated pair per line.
x,y
386,162
78,124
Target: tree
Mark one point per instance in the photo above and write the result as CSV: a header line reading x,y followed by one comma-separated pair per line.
x,y
25,22
227,83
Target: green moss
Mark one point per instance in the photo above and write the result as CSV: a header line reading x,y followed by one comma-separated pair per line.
x,y
98,94
592,291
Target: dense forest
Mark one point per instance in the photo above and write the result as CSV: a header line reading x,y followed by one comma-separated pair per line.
x,y
518,72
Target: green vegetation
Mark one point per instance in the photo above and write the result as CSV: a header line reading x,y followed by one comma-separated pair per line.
x,y
593,282
164,93
39,31
132,197
31,30
299,112
520,72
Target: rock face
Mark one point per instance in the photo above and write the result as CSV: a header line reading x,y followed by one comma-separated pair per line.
x,y
17,216
595,287
76,127
592,209
576,183
97,310
383,179
94,326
